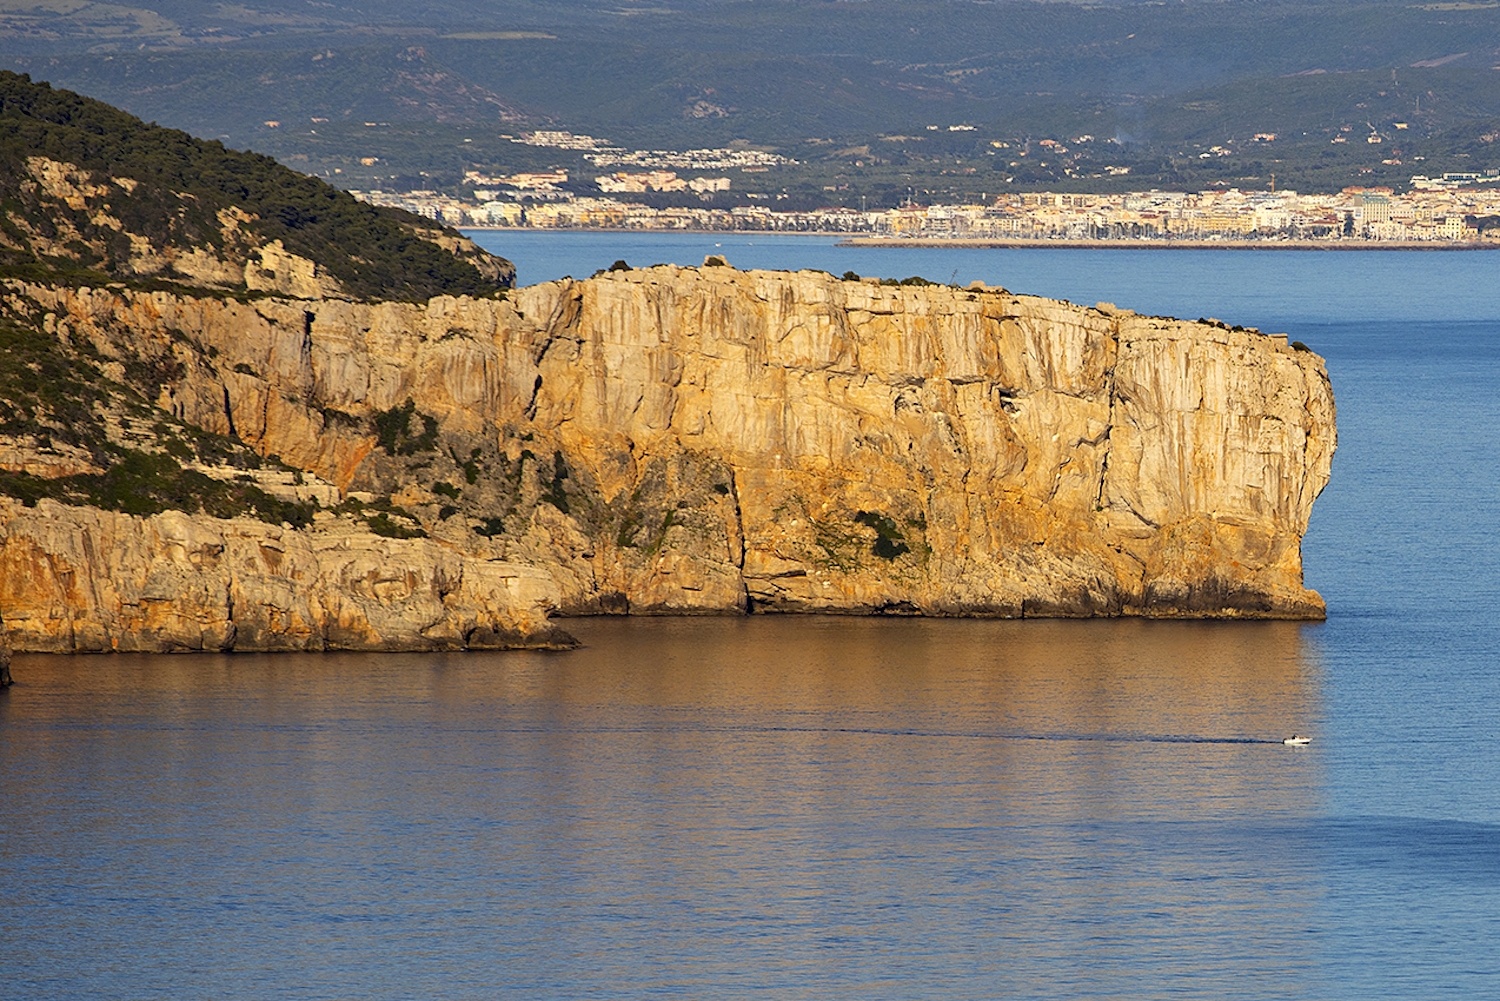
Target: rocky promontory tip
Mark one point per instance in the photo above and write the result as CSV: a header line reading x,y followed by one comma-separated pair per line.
x,y
316,473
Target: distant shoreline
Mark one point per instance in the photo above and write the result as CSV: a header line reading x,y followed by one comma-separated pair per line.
x,y
998,244
984,243
685,232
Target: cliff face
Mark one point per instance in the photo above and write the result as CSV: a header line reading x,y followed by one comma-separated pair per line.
x,y
951,451
686,440
81,579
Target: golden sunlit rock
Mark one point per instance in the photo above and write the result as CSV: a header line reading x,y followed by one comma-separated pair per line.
x,y
681,440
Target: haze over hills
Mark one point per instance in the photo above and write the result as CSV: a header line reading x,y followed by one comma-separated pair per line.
x,y
1165,82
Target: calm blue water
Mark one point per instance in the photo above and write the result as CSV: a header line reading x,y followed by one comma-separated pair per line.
x,y
821,808
1251,288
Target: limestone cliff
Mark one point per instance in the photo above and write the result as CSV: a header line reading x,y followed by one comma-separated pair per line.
x,y
81,579
674,440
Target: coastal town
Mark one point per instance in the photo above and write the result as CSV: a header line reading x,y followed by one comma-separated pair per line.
x,y
1452,208
724,190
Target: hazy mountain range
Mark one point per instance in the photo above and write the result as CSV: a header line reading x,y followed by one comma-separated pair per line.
x,y
1163,79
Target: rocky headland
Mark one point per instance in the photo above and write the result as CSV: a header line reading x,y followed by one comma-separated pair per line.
x,y
218,432
672,440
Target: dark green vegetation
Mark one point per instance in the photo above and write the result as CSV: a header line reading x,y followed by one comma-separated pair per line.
x,y
178,193
889,542
47,391
143,483
850,89
394,431
60,400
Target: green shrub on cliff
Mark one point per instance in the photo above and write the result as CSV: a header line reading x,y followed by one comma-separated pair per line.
x,y
383,524
55,398
45,391
143,483
889,542
393,430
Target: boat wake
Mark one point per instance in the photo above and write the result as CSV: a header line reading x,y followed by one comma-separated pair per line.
x,y
1110,738
940,734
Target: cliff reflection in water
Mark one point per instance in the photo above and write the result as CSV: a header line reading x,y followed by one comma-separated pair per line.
x,y
1105,708
802,806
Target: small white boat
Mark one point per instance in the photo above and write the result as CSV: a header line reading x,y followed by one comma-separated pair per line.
x,y
1297,740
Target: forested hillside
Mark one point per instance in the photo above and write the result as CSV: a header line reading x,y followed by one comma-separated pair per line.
x,y
87,188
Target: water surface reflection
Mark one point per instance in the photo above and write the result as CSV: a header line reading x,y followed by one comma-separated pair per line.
x,y
797,807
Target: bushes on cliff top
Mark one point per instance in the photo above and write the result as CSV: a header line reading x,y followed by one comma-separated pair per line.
x,y
186,181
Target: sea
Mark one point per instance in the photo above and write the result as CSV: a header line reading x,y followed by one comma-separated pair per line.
x,y
837,808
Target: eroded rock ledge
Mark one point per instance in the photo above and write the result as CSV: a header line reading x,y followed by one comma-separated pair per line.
x,y
678,440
